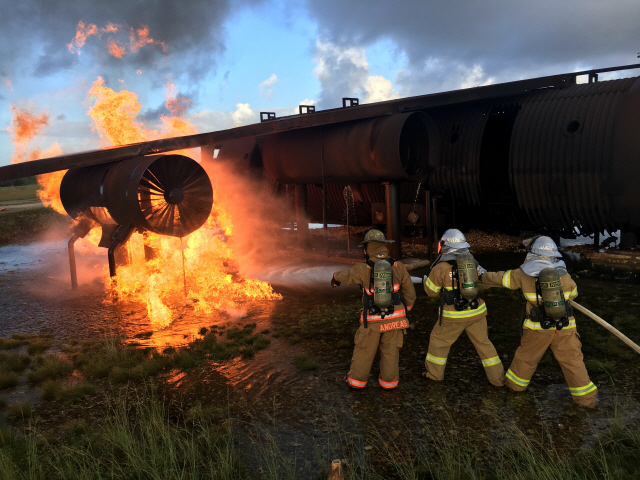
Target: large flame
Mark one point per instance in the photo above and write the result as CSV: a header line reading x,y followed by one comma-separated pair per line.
x,y
138,38
25,126
198,268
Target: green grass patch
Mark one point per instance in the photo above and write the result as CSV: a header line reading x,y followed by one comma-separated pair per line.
x,y
140,439
38,346
8,379
59,390
47,368
19,226
20,410
13,362
303,363
19,192
10,344
240,341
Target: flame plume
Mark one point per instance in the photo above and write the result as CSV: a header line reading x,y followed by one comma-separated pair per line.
x,y
210,278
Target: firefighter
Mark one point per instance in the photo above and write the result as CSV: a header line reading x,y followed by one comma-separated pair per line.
x,y
387,294
540,331
458,314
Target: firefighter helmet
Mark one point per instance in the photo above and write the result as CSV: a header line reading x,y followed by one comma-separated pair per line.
x,y
374,235
454,238
545,246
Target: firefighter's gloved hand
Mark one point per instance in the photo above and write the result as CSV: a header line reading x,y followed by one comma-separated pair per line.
x,y
334,283
481,271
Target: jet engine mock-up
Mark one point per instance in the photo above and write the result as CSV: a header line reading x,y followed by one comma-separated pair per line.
x,y
164,194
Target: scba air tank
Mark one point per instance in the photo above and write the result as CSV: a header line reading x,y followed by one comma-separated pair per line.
x,y
468,275
552,294
382,284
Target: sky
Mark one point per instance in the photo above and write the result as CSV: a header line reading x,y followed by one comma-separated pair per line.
x,y
229,60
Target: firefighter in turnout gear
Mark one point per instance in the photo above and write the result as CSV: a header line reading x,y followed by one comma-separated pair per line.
x,y
387,294
548,321
455,273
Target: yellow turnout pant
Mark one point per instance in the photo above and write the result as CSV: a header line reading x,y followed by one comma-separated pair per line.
x,y
445,335
367,341
567,349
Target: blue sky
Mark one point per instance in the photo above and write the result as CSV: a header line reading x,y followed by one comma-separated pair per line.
x,y
233,59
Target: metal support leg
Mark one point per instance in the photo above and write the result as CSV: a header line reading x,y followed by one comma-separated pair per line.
x,y
119,237
394,226
434,202
72,261
429,219
301,213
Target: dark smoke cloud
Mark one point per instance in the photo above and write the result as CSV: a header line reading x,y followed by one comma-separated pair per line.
x,y
444,42
193,32
185,100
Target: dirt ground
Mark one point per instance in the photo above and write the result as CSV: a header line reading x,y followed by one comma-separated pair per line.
x,y
304,409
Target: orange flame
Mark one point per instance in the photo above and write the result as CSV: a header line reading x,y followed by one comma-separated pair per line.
x,y
114,114
138,38
24,127
115,49
160,283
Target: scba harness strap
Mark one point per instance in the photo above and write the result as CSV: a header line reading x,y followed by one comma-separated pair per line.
x,y
368,305
539,315
453,296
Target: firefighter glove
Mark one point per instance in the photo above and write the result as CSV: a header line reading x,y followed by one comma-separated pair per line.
x,y
334,283
481,271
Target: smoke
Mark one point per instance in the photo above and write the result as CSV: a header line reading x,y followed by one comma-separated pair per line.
x,y
156,36
445,45
257,238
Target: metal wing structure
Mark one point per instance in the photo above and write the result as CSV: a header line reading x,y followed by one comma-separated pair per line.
x,y
545,153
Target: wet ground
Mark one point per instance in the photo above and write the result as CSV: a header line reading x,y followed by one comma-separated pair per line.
x,y
313,411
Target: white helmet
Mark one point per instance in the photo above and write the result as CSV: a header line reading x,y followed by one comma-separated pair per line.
x,y
545,246
454,238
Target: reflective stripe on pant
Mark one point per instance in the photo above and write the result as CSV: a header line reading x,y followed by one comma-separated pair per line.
x,y
567,349
445,335
367,341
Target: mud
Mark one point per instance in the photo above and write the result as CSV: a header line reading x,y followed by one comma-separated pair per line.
x,y
308,412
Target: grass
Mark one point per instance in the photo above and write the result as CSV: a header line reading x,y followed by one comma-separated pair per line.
x,y
140,439
47,368
8,379
58,390
21,225
10,344
303,363
241,341
13,362
21,192
19,411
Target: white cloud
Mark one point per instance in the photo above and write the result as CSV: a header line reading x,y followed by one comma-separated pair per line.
x,y
379,89
343,71
211,120
243,115
475,78
265,87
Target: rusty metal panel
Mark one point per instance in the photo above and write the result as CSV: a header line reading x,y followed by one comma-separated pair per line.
x,y
461,140
561,155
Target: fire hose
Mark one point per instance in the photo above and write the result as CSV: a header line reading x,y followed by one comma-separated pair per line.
x,y
592,316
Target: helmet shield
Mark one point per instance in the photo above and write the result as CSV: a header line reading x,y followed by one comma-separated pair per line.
x,y
545,246
454,238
